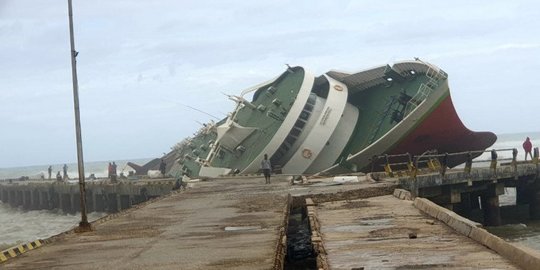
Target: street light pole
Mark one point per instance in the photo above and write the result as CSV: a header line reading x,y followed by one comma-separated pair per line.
x,y
83,225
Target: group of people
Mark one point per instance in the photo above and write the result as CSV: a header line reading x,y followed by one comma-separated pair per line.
x,y
59,177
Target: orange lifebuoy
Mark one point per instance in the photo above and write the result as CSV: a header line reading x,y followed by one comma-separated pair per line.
x,y
306,153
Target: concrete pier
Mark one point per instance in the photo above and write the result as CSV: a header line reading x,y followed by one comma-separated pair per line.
x,y
475,193
240,223
101,196
388,233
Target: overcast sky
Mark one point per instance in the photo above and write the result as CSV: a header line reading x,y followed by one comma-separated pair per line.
x,y
141,62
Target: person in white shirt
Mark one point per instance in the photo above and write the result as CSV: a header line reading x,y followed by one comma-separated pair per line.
x,y
266,168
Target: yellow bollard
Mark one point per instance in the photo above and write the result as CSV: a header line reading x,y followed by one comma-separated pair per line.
x,y
388,170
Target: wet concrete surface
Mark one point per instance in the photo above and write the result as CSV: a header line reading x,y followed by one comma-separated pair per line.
x,y
234,224
202,227
387,233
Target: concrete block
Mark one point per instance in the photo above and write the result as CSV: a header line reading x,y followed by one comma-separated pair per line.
x,y
484,237
444,216
407,196
460,226
432,209
397,192
418,203
525,258
309,202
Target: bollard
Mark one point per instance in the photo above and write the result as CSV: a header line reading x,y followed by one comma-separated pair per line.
x,y
410,166
514,163
535,161
443,165
493,164
468,164
387,167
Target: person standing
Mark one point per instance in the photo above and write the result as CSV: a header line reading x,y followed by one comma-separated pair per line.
x,y
109,171
527,146
65,171
266,168
162,167
49,170
113,172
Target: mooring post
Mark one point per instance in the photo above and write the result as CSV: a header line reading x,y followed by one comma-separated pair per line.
x,y
493,165
514,163
387,167
443,165
410,166
536,162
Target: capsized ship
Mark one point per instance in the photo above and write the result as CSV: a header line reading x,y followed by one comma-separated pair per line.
x,y
331,124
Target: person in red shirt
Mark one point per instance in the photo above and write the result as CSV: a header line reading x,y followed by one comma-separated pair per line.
x,y
527,146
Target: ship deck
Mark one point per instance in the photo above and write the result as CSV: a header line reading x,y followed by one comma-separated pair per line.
x,y
234,224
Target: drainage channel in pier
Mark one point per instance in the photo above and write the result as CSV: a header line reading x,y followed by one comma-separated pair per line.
x,y
300,252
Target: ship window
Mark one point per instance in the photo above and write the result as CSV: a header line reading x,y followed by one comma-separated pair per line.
x,y
308,107
285,147
304,115
312,98
300,124
290,140
296,132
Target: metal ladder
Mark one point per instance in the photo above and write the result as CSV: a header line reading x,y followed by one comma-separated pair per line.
x,y
425,89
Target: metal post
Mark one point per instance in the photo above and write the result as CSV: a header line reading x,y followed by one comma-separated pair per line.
x,y
83,225
443,165
514,163
493,165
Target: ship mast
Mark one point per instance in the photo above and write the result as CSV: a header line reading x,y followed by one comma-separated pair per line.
x,y
83,225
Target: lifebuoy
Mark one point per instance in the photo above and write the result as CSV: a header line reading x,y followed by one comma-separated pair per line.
x,y
338,87
306,153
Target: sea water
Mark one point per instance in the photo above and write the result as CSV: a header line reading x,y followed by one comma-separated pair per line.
x,y
21,226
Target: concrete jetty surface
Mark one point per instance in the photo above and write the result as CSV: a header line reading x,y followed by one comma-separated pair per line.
x,y
387,233
236,223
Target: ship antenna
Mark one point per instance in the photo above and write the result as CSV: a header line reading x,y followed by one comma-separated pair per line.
x,y
195,109
289,68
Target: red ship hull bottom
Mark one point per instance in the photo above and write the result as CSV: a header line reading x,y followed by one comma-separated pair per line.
x,y
443,131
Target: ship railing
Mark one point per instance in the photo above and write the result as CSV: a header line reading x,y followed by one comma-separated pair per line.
x,y
433,162
423,92
434,76
436,73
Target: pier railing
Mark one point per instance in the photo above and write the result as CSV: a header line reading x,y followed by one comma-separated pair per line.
x,y
399,165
